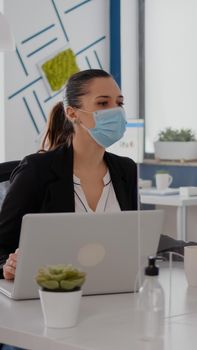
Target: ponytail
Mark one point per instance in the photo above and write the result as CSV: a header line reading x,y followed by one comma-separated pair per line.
x,y
60,129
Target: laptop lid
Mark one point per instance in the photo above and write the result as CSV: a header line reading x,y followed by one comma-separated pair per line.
x,y
105,245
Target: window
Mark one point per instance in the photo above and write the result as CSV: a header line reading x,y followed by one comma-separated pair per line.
x,y
170,61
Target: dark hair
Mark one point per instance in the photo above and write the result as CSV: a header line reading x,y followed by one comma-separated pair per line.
x,y
60,129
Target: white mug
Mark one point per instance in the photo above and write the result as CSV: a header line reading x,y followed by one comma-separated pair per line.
x,y
190,264
163,181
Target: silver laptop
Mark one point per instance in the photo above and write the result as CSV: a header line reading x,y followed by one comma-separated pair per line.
x,y
104,245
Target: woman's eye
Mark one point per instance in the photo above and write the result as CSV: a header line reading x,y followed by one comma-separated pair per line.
x,y
120,104
103,103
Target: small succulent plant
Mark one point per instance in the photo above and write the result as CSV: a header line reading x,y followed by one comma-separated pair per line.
x,y
59,278
170,134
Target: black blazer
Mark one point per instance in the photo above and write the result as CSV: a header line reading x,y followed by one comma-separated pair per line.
x,y
43,183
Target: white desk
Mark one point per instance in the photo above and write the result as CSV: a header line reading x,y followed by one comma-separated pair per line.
x,y
173,200
105,322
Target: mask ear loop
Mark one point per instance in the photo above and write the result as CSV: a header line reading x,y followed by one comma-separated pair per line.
x,y
76,121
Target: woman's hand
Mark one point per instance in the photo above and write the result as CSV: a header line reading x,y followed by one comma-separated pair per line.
x,y
9,268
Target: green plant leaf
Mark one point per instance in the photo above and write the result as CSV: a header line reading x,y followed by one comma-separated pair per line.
x,y
49,284
182,135
69,285
60,277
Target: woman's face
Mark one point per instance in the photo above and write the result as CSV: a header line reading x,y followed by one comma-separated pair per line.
x,y
103,93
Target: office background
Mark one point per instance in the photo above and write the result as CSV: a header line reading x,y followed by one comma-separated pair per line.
x,y
102,34
41,28
93,29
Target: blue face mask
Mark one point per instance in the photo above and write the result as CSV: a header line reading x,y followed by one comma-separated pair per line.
x,y
110,125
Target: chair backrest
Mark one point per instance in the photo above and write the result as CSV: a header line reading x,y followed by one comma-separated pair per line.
x,y
6,169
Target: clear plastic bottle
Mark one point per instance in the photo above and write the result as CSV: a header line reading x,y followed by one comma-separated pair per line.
x,y
151,304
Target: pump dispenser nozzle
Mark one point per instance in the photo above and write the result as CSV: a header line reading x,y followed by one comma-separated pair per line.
x,y
152,269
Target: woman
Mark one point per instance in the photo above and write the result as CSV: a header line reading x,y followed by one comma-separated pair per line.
x,y
76,174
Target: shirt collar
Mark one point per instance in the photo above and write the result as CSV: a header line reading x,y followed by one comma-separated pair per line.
x,y
106,179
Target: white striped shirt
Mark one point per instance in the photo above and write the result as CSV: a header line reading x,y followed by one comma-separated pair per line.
x,y
107,202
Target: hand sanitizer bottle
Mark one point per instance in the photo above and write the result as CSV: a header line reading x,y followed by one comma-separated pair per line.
x,y
151,304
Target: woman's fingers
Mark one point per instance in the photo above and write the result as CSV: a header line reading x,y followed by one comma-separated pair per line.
x,y
9,268
11,261
8,272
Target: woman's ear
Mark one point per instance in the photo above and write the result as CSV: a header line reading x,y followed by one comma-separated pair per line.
x,y
71,113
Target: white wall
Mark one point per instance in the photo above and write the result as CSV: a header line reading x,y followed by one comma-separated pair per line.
x,y
170,66
2,112
84,26
132,144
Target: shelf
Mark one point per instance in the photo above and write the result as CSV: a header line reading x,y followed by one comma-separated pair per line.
x,y
192,163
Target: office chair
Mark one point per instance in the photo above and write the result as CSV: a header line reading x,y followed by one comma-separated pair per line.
x,y
6,169
168,244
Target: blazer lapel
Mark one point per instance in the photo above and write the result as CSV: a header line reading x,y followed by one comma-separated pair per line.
x,y
60,193
119,183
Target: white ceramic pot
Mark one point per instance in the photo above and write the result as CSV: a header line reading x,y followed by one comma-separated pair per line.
x,y
176,150
60,309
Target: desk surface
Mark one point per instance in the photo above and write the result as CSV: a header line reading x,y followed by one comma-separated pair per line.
x,y
171,200
105,322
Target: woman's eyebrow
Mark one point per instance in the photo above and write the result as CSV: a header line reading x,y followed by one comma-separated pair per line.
x,y
106,96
